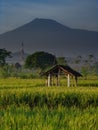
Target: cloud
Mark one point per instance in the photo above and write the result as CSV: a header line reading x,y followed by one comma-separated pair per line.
x,y
83,15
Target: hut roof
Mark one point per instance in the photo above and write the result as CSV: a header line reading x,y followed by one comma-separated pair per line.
x,y
66,69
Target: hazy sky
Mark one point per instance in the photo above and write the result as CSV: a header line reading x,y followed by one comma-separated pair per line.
x,y
73,13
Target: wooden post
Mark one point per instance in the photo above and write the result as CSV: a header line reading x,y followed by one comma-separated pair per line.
x,y
72,81
58,78
68,80
49,79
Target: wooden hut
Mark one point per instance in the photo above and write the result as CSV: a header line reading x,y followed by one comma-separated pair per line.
x,y
57,71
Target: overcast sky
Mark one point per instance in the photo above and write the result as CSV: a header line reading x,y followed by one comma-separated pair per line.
x,y
73,13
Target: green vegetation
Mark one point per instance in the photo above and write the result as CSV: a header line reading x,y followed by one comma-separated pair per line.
x,y
40,60
3,55
51,97
24,118
29,104
3,65
61,61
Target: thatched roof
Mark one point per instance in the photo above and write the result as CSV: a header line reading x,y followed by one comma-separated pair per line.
x,y
66,69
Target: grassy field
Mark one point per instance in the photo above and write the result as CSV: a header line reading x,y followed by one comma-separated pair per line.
x,y
27,104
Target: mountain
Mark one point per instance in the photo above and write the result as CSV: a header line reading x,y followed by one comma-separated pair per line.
x,y
51,36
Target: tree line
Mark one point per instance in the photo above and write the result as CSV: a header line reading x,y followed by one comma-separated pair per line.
x,y
41,61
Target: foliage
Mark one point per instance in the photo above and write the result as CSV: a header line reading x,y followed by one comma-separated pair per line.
x,y
51,99
3,55
34,93
96,68
29,104
23,118
87,65
4,71
61,61
84,71
78,59
40,60
18,71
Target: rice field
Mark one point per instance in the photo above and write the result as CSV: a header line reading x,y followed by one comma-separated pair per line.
x,y
27,104
23,118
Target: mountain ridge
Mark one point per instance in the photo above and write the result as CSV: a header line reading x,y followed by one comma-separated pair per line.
x,y
49,35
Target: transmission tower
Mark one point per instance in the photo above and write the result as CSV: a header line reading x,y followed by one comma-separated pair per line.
x,y
22,53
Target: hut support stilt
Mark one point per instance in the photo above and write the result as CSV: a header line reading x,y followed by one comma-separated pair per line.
x,y
58,80
49,80
68,80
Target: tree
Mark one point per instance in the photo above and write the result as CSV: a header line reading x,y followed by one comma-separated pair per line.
x,y
78,59
91,57
61,60
41,60
84,71
3,55
95,68
18,66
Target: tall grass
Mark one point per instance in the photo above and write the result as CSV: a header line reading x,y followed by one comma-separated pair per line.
x,y
50,97
27,104
24,118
